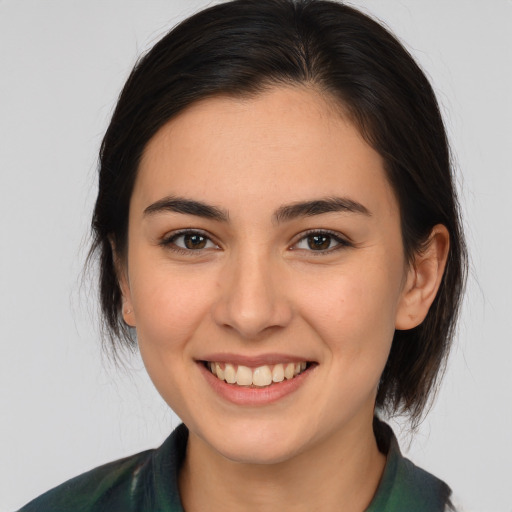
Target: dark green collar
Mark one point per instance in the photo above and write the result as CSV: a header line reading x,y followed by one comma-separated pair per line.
x,y
148,482
404,487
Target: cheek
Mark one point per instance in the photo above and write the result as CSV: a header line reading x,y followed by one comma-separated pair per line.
x,y
354,312
169,308
169,305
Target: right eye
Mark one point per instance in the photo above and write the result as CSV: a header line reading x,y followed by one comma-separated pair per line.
x,y
188,241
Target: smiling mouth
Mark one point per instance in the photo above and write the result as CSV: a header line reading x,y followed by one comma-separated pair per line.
x,y
260,377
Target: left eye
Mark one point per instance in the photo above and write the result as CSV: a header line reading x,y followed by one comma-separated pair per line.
x,y
319,242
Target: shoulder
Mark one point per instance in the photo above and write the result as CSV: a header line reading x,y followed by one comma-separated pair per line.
x,y
108,487
404,486
417,488
144,482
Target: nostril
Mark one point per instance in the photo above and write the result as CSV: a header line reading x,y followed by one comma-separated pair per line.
x,y
250,300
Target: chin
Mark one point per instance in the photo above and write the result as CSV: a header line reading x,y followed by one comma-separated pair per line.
x,y
246,451
257,442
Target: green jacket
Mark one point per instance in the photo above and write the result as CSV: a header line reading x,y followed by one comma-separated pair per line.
x,y
148,482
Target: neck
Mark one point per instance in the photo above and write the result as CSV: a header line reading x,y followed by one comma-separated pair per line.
x,y
341,472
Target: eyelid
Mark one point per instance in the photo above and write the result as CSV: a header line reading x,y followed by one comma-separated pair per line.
x,y
167,240
342,240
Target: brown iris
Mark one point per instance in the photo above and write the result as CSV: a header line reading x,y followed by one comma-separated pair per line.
x,y
194,241
319,242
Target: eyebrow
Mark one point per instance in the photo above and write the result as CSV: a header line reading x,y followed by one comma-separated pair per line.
x,y
318,207
282,214
188,207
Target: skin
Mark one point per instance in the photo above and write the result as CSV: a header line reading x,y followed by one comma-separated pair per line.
x,y
257,287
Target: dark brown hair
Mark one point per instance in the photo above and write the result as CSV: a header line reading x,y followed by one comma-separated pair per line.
x,y
245,46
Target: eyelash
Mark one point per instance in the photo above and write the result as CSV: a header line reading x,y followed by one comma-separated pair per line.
x,y
341,243
169,242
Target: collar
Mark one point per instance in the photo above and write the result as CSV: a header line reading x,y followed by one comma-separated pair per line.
x,y
403,487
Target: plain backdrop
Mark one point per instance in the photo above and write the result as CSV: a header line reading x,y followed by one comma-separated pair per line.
x,y
63,407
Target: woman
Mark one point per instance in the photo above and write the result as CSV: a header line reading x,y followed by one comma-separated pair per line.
x,y
278,231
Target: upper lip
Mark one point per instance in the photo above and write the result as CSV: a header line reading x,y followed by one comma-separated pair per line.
x,y
253,361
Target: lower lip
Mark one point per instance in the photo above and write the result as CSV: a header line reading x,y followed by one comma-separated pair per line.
x,y
241,395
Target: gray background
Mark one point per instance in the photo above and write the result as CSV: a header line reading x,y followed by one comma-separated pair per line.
x,y
63,407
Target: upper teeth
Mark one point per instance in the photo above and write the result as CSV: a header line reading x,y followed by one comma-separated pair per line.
x,y
260,376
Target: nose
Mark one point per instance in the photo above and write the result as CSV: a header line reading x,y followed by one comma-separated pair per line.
x,y
252,298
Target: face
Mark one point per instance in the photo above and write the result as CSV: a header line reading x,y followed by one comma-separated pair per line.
x,y
264,237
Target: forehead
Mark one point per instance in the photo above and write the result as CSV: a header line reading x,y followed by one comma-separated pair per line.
x,y
290,141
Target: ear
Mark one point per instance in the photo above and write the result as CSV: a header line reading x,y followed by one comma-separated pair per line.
x,y
423,279
124,285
